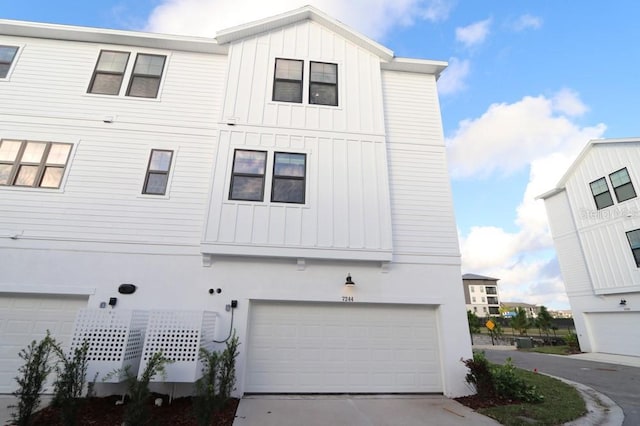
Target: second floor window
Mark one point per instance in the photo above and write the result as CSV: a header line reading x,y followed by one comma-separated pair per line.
x,y
323,84
287,85
7,55
288,178
601,194
622,185
33,164
247,179
155,182
111,70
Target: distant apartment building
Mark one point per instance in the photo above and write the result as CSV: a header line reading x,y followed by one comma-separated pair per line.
x,y
509,309
481,295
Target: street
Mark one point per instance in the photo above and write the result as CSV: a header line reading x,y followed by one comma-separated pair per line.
x,y
618,382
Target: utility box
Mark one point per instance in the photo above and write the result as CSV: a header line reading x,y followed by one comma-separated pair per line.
x,y
524,343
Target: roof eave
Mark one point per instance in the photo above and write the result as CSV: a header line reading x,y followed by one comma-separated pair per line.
x,y
108,36
422,66
307,12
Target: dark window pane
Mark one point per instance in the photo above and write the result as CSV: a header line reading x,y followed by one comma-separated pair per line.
x,y
287,91
619,178
52,177
246,188
7,53
604,200
288,69
160,160
144,87
106,84
599,186
625,192
4,70
288,190
249,162
115,62
287,164
156,183
149,65
324,73
634,239
323,94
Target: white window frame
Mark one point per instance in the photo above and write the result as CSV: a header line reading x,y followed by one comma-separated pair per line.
x,y
16,58
144,168
306,69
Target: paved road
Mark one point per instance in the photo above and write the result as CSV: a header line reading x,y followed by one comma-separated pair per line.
x,y
618,382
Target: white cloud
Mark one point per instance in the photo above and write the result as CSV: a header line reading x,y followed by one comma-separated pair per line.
x,y
453,78
373,18
473,34
525,22
507,137
533,133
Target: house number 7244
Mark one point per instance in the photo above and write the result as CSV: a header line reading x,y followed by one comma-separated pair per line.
x,y
347,298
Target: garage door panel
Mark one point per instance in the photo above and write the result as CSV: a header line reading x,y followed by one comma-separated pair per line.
x,y
307,347
24,318
615,332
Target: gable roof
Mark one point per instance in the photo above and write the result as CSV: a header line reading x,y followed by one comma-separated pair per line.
x,y
565,177
298,15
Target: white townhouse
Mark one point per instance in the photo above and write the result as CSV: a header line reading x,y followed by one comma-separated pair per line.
x,y
594,216
287,179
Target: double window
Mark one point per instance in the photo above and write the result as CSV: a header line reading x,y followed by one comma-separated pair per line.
x,y
144,79
622,187
289,82
7,56
33,164
157,176
249,175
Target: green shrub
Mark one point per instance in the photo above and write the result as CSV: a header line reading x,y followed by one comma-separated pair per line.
x,y
510,385
32,376
70,382
214,388
572,342
479,375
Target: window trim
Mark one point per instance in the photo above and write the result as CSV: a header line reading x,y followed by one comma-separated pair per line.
x,y
42,164
322,83
608,191
615,188
286,80
96,72
13,62
133,74
252,175
286,177
635,251
167,173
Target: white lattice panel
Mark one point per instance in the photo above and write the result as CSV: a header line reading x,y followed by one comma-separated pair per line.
x,y
179,335
116,339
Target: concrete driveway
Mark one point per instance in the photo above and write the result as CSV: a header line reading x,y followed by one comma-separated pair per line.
x,y
355,410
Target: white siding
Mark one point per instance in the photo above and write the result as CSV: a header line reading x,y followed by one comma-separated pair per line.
x,y
346,208
422,207
100,199
250,84
603,232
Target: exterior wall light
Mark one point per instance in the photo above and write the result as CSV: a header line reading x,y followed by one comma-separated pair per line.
x,y
349,282
623,302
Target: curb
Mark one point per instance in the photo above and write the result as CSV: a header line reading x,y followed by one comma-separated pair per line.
x,y
601,410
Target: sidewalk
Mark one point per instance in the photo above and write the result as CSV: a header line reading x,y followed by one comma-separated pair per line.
x,y
630,361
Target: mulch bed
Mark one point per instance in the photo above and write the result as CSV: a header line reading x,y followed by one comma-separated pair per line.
x,y
105,412
475,402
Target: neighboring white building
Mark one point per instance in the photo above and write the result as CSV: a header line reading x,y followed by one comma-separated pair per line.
x,y
265,167
481,295
594,216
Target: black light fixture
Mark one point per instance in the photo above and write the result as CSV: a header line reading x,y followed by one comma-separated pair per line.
x,y
623,302
349,282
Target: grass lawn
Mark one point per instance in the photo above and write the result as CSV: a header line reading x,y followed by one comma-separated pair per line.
x,y
554,350
562,403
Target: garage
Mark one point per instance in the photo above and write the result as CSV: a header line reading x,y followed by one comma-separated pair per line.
x,y
298,347
24,318
615,332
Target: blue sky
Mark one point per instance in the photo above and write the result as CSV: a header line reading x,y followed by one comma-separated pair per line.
x,y
529,83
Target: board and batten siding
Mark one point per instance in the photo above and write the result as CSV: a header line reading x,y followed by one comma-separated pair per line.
x,y
346,211
603,232
249,92
421,201
100,199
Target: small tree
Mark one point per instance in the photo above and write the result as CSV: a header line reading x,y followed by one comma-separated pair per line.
x,y
474,324
31,379
520,322
545,320
70,382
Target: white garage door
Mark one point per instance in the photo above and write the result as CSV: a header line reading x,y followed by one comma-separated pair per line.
x,y
615,332
27,318
344,347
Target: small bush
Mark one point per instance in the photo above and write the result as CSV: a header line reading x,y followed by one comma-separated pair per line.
x,y
572,342
70,382
214,388
479,375
32,376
